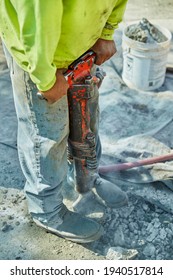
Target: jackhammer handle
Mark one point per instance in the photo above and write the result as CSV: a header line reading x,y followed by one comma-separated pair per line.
x,y
80,68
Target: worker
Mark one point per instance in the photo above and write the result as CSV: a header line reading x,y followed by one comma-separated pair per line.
x,y
41,39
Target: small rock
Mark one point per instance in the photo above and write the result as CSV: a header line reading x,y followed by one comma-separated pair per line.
x,y
156,223
171,226
113,224
150,227
125,213
141,242
149,250
4,191
10,217
159,257
162,234
169,231
6,228
18,258
119,253
131,228
159,210
119,237
153,235
145,207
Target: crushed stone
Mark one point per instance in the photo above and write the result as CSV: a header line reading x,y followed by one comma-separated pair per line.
x,y
145,32
144,231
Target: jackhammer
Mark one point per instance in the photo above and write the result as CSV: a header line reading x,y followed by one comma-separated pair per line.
x,y
81,143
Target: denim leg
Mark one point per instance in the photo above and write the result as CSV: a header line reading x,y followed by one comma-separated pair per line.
x,y
42,140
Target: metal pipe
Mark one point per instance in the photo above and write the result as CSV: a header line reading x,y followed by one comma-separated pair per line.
x,y
129,165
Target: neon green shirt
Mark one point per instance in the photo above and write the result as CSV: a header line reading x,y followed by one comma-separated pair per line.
x,y
43,35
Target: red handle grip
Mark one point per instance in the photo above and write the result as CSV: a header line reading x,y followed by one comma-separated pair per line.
x,y
80,68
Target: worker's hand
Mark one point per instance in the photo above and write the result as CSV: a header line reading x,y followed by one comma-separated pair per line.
x,y
58,90
104,50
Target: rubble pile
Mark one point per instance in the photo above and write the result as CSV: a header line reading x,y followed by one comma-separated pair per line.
x,y
145,32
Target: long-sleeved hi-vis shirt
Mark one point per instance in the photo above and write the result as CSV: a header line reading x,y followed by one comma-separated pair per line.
x,y
43,35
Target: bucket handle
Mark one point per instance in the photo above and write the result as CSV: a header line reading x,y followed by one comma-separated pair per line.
x,y
126,51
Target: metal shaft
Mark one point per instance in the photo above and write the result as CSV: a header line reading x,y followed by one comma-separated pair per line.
x,y
81,139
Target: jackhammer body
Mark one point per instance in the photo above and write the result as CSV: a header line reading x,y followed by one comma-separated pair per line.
x,y
82,144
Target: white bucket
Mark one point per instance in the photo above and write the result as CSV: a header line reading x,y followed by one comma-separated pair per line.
x,y
144,64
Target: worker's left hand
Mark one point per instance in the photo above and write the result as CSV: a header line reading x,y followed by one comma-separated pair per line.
x,y
58,90
104,50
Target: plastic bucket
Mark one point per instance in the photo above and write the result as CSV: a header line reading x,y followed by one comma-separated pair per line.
x,y
144,64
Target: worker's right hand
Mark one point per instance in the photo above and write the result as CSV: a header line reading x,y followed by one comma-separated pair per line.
x,y
58,90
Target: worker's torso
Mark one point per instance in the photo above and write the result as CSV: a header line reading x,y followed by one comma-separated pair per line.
x,y
82,24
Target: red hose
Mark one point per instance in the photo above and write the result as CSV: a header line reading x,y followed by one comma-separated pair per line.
x,y
129,165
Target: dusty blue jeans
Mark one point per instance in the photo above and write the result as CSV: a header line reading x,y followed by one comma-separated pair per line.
x,y
42,144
